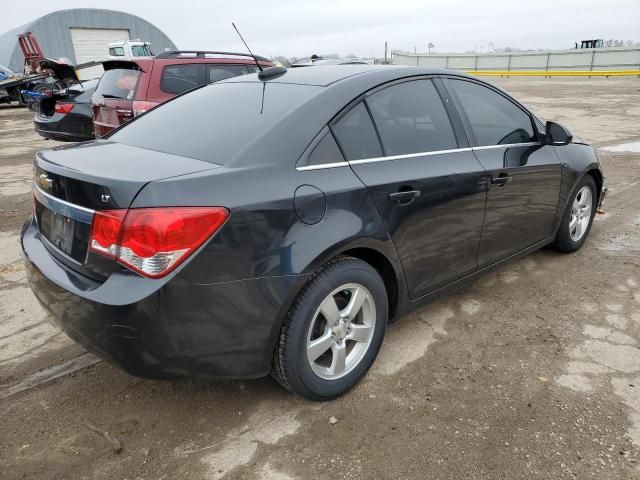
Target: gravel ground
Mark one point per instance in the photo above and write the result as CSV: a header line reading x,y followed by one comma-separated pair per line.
x,y
531,372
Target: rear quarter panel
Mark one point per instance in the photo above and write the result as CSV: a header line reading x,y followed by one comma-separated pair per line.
x,y
263,236
265,239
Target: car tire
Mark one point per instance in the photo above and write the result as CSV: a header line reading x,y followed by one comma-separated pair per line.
x,y
344,340
578,217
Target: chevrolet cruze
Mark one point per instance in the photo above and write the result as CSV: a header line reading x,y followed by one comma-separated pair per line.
x,y
276,222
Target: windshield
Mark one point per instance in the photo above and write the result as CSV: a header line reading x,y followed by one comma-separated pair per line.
x,y
118,83
141,51
215,122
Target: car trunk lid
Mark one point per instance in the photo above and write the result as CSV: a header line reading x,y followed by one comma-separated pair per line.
x,y
70,184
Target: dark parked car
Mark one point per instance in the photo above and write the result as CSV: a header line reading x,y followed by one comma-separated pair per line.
x,y
281,230
133,86
68,116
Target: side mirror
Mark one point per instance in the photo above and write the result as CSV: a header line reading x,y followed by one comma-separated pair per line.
x,y
556,134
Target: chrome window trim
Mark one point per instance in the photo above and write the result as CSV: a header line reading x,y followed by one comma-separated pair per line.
x,y
408,155
414,155
322,166
506,145
64,208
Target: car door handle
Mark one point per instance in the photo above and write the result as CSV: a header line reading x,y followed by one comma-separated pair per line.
x,y
404,197
501,180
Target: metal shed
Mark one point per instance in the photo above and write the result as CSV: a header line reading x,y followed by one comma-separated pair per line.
x,y
81,34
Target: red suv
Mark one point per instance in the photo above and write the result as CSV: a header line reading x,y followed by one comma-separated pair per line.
x,y
130,87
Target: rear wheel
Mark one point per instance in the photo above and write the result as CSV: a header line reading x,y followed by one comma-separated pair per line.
x,y
578,217
333,332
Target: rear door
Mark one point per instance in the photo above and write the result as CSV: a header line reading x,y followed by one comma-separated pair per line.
x,y
524,174
428,186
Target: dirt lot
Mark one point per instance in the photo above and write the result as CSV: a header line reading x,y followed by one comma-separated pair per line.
x,y
532,372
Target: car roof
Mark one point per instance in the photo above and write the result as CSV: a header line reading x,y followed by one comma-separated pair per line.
x,y
329,61
326,75
331,89
145,63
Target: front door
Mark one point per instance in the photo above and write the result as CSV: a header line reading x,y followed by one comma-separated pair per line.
x,y
430,191
523,174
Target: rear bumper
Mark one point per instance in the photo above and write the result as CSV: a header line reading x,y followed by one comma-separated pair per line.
x,y
178,329
62,129
64,136
101,128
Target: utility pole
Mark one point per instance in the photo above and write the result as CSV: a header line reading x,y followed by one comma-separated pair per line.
x,y
385,53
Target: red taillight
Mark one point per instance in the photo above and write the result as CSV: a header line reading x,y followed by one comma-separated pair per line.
x,y
105,232
154,241
140,106
63,108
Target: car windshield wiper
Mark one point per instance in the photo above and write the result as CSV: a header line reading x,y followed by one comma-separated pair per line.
x,y
108,95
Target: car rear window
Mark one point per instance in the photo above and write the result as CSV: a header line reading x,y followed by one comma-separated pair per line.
x,y
83,86
118,83
215,122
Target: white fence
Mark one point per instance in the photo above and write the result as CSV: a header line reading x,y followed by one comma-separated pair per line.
x,y
559,60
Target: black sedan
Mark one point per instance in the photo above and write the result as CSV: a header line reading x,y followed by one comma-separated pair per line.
x,y
67,116
277,222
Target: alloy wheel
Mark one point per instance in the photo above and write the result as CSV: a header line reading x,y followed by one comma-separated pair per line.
x,y
580,213
341,331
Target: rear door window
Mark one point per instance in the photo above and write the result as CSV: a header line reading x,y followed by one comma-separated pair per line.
x,y
357,135
325,152
219,71
182,77
120,83
494,120
411,118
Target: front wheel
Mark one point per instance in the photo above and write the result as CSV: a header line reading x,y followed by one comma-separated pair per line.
x,y
578,217
333,332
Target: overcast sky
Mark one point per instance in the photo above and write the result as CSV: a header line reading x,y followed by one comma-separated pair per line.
x,y
299,28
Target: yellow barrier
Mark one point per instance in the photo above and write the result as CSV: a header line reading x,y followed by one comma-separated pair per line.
x,y
554,73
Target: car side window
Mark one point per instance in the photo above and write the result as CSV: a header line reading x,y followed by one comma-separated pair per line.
x,y
494,120
325,152
181,77
219,72
357,135
411,118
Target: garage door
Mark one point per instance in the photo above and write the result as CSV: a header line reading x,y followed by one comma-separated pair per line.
x,y
91,44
